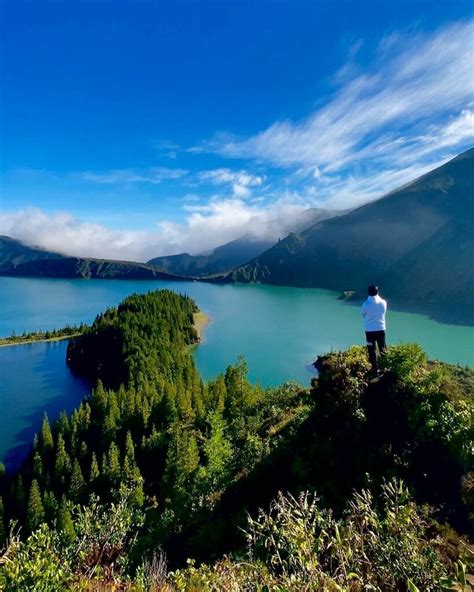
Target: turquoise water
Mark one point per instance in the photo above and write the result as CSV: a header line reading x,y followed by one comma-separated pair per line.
x,y
280,331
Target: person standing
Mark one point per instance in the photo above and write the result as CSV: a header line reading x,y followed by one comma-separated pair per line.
x,y
373,313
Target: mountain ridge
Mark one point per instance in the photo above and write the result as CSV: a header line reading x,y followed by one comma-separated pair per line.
x,y
88,268
394,241
14,252
236,252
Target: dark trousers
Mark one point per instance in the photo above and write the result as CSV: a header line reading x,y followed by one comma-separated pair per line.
x,y
374,339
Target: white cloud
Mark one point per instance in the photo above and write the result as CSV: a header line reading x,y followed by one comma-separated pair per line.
x,y
204,228
241,181
153,175
219,176
412,104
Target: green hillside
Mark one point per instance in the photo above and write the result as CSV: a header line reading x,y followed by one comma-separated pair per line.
x,y
14,252
417,243
157,462
85,268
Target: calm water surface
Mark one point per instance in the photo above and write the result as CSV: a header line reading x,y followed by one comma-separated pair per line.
x,y
280,331
34,380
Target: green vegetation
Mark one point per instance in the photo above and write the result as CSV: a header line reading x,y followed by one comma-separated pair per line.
x,y
156,462
55,334
84,268
382,544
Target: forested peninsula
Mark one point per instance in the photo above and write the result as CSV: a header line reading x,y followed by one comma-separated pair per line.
x,y
155,481
66,332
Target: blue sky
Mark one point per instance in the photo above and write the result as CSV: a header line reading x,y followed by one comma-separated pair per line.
x,y
133,129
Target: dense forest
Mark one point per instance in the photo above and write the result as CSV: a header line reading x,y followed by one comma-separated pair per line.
x,y
155,482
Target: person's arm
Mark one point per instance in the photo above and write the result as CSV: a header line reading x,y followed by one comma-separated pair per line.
x,y
364,310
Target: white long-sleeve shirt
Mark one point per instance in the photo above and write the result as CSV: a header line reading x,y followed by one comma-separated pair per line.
x,y
373,313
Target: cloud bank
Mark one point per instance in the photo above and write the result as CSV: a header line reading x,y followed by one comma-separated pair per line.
x,y
204,228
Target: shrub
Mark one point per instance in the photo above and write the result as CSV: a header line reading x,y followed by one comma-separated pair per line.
x,y
35,564
299,546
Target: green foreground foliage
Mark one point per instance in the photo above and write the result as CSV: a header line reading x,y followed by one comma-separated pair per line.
x,y
297,545
156,459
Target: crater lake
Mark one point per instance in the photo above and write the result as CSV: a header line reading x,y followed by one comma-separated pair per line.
x,y
280,331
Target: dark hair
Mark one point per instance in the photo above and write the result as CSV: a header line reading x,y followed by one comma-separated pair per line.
x,y
373,290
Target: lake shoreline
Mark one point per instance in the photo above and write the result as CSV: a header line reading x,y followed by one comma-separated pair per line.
x,y
278,329
8,341
201,320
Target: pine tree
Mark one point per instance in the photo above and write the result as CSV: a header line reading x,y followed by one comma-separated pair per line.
x,y
129,462
182,458
47,441
129,448
94,471
76,485
62,467
35,513
128,399
113,463
50,505
218,453
99,400
112,416
38,470
218,393
65,523
62,425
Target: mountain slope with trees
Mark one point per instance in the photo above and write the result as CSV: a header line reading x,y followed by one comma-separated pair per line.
x,y
86,268
13,253
157,458
223,258
417,243
236,252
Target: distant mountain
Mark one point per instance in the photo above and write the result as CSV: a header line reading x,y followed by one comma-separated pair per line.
x,y
233,253
13,253
220,259
84,268
417,243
